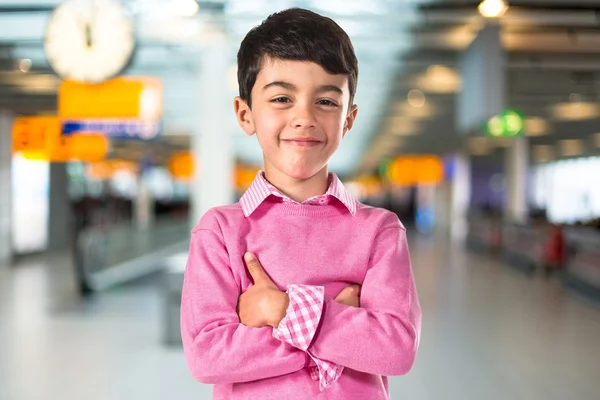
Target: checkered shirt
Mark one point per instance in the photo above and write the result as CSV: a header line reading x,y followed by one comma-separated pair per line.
x,y
261,189
299,325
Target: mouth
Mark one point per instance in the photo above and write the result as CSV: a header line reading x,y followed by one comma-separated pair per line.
x,y
302,141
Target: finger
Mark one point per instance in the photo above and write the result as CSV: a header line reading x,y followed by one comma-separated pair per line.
x,y
256,270
354,289
347,292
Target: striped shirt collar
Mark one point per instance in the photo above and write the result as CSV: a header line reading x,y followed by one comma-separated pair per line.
x,y
261,189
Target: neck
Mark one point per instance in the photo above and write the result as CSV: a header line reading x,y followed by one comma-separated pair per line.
x,y
299,189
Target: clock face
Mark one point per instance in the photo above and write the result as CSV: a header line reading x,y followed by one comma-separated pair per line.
x,y
89,40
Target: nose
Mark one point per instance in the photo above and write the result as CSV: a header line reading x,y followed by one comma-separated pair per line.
x,y
304,117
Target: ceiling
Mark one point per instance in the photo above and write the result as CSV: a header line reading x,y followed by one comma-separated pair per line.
x,y
553,51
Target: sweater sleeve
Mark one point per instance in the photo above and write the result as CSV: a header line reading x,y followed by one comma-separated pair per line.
x,y
382,336
217,347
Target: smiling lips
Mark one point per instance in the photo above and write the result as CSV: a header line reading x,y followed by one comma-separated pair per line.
x,y
302,141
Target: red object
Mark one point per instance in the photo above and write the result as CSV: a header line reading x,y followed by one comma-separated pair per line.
x,y
554,249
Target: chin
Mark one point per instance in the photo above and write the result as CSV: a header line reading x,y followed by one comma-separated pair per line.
x,y
302,172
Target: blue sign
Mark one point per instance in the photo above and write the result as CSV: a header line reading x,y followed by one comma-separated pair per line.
x,y
118,129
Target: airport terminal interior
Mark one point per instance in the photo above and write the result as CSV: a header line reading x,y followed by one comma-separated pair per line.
x,y
478,125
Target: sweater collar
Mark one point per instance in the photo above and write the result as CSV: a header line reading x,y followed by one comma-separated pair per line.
x,y
261,189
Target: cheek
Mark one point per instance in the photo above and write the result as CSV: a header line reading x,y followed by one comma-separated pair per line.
x,y
334,129
271,124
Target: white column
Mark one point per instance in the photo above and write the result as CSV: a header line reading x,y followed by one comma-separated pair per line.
x,y
212,145
59,218
516,170
442,208
143,205
460,198
452,198
6,250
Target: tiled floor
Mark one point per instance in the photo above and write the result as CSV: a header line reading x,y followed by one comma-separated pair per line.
x,y
489,333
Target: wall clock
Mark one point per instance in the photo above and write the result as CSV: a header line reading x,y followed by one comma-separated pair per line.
x,y
89,40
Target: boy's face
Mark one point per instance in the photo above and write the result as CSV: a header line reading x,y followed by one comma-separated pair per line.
x,y
300,113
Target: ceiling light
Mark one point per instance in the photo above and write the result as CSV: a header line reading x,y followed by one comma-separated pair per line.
x,y
571,147
386,141
402,126
492,8
405,130
575,98
405,109
383,152
24,65
543,153
184,8
438,70
597,140
536,126
575,111
416,98
385,146
440,79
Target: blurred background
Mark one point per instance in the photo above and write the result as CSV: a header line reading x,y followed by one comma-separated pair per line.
x,y
479,125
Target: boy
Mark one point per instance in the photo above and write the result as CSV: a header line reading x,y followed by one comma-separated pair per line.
x,y
298,291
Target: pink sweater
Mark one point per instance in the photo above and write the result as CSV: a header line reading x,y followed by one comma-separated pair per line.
x,y
300,244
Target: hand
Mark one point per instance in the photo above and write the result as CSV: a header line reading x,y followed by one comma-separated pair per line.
x,y
263,304
349,296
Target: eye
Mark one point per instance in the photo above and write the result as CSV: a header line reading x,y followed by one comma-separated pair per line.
x,y
327,103
281,100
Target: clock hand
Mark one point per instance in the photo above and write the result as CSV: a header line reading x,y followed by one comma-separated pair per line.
x,y
93,12
88,35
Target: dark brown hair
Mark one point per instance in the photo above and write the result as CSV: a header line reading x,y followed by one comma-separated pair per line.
x,y
297,35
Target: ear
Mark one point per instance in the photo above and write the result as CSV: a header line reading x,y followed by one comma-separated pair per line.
x,y
243,114
350,118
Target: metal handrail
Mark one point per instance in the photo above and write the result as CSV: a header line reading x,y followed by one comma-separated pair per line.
x,y
108,256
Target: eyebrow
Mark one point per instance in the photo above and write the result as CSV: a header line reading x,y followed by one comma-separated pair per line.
x,y
330,88
292,87
282,84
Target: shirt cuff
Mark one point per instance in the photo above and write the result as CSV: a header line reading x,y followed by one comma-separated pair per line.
x,y
325,372
299,326
303,315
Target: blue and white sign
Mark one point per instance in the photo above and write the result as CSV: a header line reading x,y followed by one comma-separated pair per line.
x,y
118,129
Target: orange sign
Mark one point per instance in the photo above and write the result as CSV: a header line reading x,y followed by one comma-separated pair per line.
x,y
181,166
244,176
86,148
124,97
59,149
56,149
414,170
430,170
33,133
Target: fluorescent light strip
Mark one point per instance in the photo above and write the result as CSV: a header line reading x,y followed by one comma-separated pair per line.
x,y
571,147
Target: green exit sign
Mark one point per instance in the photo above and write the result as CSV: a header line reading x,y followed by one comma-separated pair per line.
x,y
509,123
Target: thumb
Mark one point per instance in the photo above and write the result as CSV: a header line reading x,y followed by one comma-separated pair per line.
x,y
256,270
348,291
